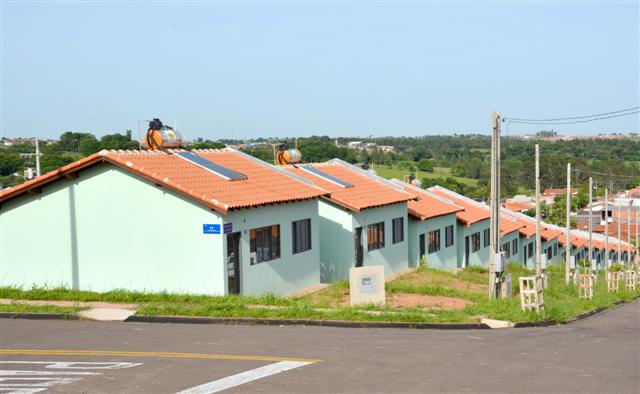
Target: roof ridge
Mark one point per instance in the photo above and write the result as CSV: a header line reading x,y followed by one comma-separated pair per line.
x,y
368,174
427,192
462,197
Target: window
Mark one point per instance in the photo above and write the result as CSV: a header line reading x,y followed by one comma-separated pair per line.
x,y
555,249
506,248
514,246
475,242
434,241
530,250
375,236
301,236
487,237
549,251
264,243
448,236
398,230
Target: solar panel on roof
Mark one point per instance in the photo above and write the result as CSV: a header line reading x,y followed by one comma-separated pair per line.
x,y
211,166
325,176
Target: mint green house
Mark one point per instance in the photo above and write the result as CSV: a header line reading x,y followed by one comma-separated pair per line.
x,y
472,233
432,228
363,221
201,222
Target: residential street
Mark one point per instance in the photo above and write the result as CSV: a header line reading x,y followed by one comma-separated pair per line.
x,y
599,354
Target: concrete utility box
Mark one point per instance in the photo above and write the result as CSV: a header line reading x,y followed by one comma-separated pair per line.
x,y
366,285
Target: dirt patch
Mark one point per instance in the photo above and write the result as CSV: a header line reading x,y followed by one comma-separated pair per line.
x,y
408,300
405,300
433,279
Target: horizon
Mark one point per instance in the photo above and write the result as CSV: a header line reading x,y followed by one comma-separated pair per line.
x,y
277,68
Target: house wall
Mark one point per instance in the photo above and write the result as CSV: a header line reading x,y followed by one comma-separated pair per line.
x,y
108,229
337,253
481,257
446,257
290,272
394,257
509,237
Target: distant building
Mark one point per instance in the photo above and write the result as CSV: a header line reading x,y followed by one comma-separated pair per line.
x,y
550,194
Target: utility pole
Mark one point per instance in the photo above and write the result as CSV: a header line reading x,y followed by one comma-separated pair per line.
x,y
591,224
629,231
568,234
606,229
538,235
637,239
37,158
494,228
619,238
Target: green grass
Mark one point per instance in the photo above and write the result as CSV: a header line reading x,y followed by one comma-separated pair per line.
x,y
562,303
22,308
438,172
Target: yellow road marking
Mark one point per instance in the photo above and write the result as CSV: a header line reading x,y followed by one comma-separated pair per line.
x,y
41,352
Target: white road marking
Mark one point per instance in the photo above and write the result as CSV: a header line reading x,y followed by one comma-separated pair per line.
x,y
43,382
31,382
76,364
244,377
22,390
9,372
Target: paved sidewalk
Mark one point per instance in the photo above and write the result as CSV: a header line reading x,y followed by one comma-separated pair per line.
x,y
102,311
108,305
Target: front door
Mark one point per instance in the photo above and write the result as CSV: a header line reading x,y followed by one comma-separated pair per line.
x,y
233,263
357,239
466,251
421,243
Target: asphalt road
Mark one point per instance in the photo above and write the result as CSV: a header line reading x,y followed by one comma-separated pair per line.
x,y
599,354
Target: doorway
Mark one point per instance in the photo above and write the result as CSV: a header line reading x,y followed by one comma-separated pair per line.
x,y
422,246
233,263
357,238
466,251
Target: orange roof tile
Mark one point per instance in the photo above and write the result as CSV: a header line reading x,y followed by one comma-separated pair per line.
x,y
558,192
473,211
265,184
517,207
367,192
508,225
428,205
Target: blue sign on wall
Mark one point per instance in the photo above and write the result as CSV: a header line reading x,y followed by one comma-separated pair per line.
x,y
227,228
210,229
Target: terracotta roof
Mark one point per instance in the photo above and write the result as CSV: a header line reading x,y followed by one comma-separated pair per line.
x,y
368,190
265,184
558,192
528,227
473,211
428,205
518,207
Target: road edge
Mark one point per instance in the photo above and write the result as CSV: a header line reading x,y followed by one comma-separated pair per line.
x,y
308,322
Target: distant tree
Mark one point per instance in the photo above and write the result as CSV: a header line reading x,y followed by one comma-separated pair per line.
x,y
10,163
207,145
70,141
89,145
425,165
117,141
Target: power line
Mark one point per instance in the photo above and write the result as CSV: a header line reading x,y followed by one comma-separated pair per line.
x,y
605,174
573,117
512,120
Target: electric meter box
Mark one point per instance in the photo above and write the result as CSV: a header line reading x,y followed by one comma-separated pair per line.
x,y
543,261
594,264
572,262
500,262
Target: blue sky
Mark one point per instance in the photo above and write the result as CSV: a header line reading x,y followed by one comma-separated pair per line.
x,y
300,68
